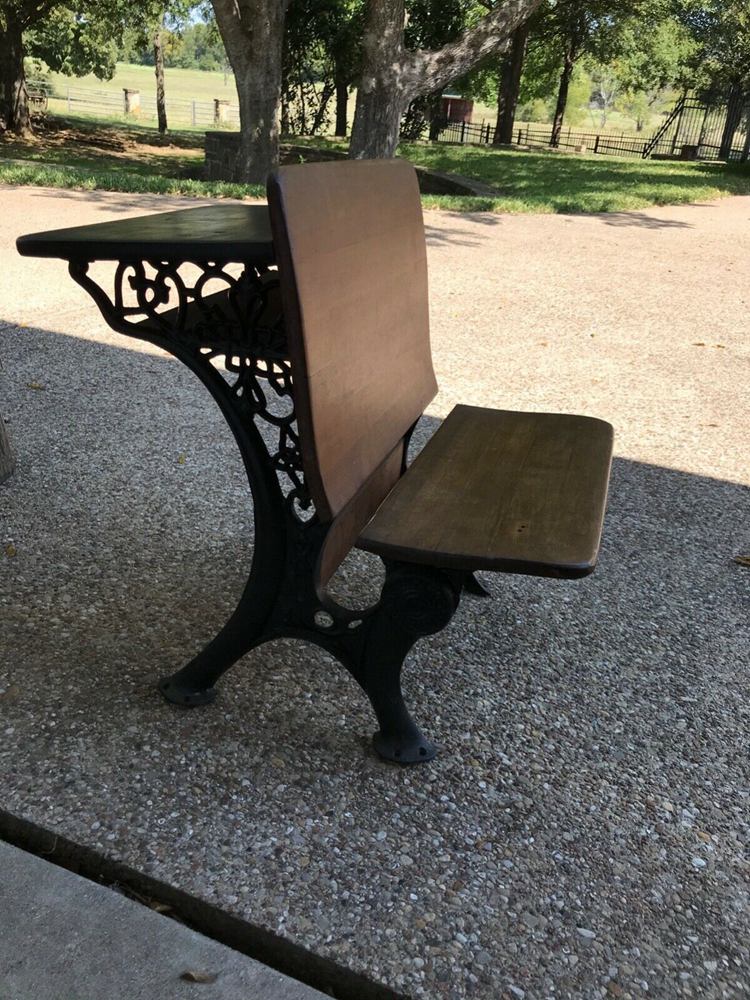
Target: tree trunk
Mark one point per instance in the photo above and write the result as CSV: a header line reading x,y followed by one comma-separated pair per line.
x,y
435,116
253,34
562,99
381,101
734,117
342,104
285,102
377,122
286,122
320,117
510,86
161,104
7,458
14,97
746,147
392,76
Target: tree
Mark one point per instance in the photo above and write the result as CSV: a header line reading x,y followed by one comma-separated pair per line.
x,y
541,73
591,28
319,61
344,47
430,24
14,97
151,25
574,26
253,33
80,38
161,98
509,86
393,76
649,65
197,45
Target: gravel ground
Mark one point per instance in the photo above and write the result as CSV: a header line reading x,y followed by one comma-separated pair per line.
x,y
584,832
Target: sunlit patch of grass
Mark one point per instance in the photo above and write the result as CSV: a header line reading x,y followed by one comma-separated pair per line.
x,y
551,182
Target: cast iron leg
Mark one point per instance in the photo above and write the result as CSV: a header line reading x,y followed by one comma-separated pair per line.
x,y
416,601
473,586
194,683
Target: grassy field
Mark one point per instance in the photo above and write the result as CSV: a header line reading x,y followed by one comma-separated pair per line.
x,y
182,84
87,155
199,85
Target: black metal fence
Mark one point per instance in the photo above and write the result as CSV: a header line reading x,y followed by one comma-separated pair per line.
x,y
590,142
707,132
693,130
541,135
467,132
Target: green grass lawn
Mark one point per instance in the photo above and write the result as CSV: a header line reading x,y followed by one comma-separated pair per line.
x,y
554,182
79,153
82,154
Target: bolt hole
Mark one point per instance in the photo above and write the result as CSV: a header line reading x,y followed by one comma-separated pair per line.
x,y
396,753
422,752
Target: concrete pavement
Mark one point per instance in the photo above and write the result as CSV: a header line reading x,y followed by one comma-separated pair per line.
x,y
584,832
63,937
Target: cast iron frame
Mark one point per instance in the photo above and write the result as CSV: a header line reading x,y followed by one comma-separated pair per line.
x,y
243,324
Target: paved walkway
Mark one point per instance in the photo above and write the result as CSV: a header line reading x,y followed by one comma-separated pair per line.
x,y
585,830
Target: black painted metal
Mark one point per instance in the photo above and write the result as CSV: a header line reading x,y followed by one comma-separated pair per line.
x,y
472,585
242,326
200,235
693,129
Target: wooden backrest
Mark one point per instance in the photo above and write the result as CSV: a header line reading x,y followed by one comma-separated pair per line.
x,y
349,239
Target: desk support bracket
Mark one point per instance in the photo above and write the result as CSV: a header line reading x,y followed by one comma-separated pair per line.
x,y
234,342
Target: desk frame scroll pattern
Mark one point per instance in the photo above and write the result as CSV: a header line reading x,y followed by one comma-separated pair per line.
x,y
242,325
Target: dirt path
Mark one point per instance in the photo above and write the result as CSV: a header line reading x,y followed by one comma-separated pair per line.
x,y
640,317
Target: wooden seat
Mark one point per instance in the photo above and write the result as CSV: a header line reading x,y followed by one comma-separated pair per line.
x,y
503,491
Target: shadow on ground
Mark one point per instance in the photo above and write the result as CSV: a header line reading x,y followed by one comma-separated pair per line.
x,y
110,202
587,819
640,219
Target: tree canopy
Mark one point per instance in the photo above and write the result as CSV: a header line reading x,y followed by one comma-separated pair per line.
x,y
295,62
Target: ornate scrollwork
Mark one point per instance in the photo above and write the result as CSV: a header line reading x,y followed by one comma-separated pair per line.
x,y
421,599
232,323
228,329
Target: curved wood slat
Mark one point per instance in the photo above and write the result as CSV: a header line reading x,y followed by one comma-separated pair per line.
x,y
349,240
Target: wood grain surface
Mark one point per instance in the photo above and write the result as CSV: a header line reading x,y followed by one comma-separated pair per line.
x,y
351,250
219,233
503,491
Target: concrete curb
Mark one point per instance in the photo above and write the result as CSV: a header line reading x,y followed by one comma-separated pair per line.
x,y
63,936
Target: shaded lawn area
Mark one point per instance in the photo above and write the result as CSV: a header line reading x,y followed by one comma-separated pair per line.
x,y
88,155
77,142
82,154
